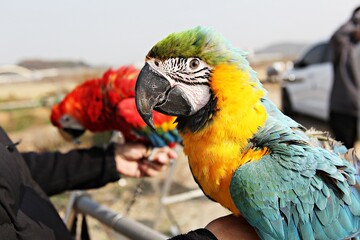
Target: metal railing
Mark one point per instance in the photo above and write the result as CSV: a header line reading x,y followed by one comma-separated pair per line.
x,y
80,202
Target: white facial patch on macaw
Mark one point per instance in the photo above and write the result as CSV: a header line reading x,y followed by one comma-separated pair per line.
x,y
198,95
67,121
189,74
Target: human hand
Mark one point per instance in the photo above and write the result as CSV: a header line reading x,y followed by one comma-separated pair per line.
x,y
134,159
230,226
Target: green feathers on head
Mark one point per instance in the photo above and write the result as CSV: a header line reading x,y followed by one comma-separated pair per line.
x,y
200,42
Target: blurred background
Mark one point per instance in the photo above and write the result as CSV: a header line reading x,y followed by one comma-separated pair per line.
x,y
49,47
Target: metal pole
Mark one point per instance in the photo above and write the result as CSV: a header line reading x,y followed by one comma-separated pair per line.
x,y
120,224
182,197
70,211
164,192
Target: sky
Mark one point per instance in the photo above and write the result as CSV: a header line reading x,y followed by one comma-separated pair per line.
x,y
116,32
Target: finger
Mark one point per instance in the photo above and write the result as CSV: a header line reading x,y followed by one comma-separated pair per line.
x,y
162,155
148,171
153,153
161,158
156,165
170,152
173,154
131,151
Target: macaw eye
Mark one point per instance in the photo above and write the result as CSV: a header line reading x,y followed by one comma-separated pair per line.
x,y
156,62
65,118
194,63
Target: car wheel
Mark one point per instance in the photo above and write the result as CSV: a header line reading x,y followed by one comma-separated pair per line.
x,y
286,103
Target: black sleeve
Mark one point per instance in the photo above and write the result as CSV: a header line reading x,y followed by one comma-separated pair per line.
x,y
56,172
7,228
198,234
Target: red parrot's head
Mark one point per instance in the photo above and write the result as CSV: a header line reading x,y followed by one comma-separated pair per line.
x,y
92,105
64,117
79,107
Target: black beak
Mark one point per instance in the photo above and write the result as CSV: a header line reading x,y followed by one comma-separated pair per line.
x,y
74,133
153,91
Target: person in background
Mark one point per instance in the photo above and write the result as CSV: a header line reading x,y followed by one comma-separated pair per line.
x,y
345,93
28,179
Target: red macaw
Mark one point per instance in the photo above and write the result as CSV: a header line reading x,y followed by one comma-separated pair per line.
x,y
108,103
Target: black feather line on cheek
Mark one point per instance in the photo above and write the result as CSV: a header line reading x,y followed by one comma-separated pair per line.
x,y
200,119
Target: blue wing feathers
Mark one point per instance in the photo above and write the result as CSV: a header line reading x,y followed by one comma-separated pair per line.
x,y
306,230
292,232
318,229
159,138
299,190
355,206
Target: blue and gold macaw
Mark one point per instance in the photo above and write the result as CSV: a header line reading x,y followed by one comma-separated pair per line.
x,y
243,152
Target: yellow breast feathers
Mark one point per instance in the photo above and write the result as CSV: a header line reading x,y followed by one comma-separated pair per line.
x,y
219,148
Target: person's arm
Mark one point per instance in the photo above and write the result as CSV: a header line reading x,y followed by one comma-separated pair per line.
x,y
198,234
56,172
224,228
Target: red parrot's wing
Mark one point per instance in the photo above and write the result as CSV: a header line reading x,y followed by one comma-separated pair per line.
x,y
122,81
108,103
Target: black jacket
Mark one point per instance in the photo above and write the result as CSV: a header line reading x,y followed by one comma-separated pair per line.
x,y
27,179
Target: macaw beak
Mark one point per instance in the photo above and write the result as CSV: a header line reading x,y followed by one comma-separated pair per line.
x,y
70,134
154,92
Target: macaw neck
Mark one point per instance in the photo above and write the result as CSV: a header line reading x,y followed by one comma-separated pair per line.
x,y
222,145
234,113
198,120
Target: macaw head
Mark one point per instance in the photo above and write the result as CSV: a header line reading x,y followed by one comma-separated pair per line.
x,y
72,114
183,76
62,118
93,104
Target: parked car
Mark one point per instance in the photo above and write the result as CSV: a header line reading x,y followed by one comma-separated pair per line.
x,y
306,87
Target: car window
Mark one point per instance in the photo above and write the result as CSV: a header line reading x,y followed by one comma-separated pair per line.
x,y
316,54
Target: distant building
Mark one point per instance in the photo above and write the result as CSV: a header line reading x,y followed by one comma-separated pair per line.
x,y
45,64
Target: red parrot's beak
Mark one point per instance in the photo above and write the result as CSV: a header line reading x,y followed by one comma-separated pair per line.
x,y
70,134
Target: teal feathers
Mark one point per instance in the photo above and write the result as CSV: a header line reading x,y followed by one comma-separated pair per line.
x,y
300,190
